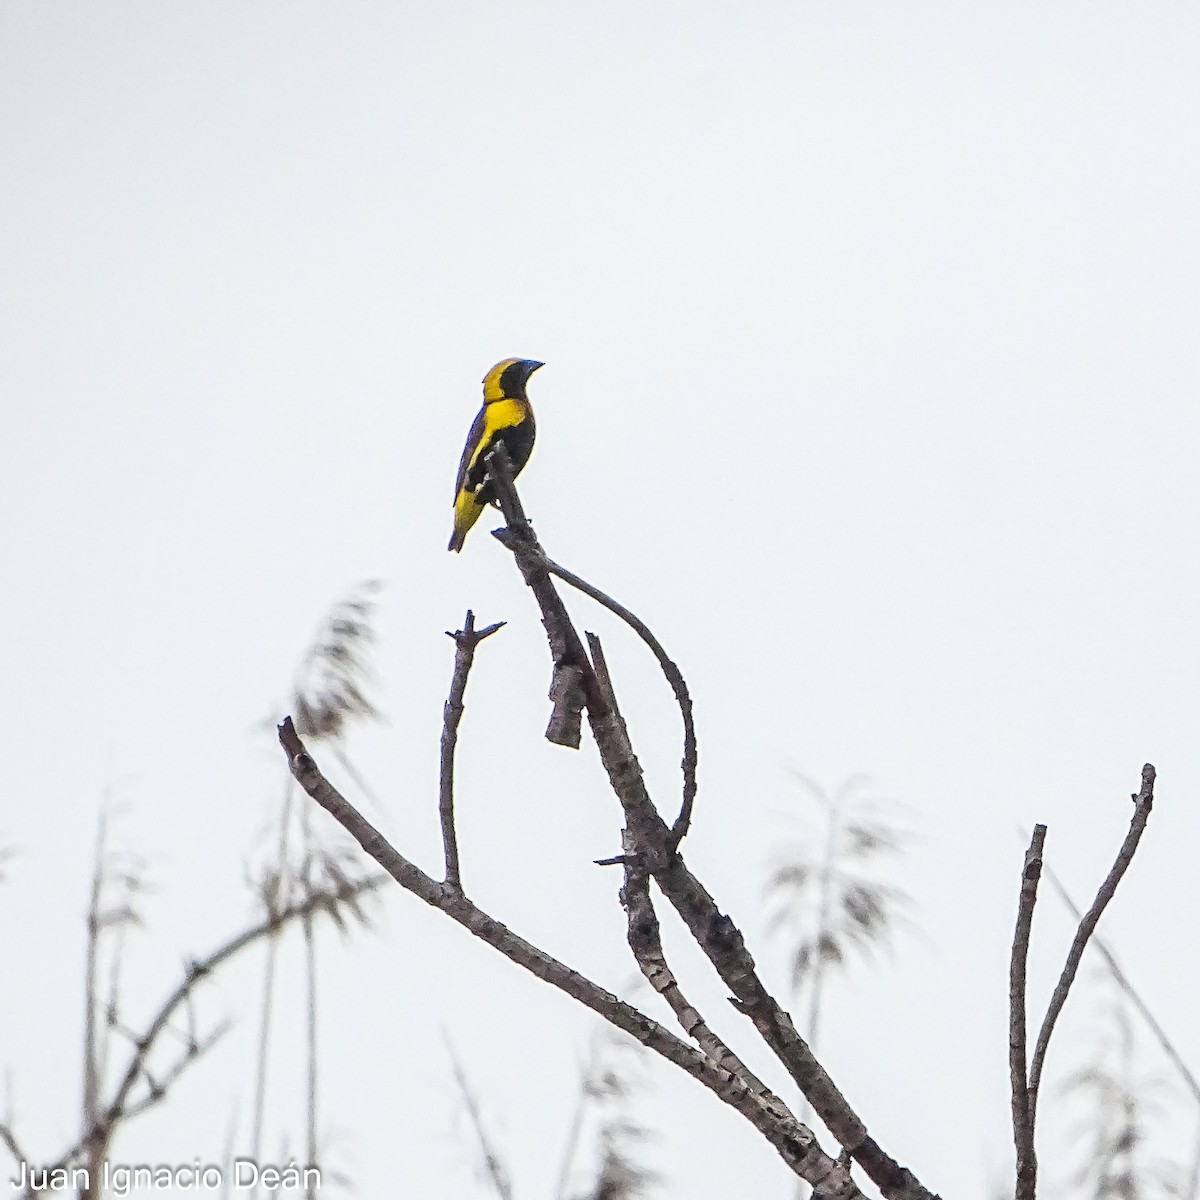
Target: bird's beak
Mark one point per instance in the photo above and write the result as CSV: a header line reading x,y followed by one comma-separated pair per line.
x,y
531,366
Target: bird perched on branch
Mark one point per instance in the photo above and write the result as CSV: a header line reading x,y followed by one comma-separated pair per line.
x,y
506,415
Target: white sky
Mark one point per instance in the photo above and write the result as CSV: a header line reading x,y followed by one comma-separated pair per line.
x,y
870,333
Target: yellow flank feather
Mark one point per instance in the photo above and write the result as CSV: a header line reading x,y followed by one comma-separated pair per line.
x,y
506,414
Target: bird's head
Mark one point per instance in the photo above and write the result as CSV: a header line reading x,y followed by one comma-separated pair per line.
x,y
506,380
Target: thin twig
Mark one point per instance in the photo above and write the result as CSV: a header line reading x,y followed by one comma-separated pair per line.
x,y
1022,1117
1143,802
1122,980
274,894
356,776
491,1160
1192,1187
8,1123
310,1006
91,1076
794,1142
231,1128
10,1141
157,1089
112,1005
465,641
122,1106
571,1142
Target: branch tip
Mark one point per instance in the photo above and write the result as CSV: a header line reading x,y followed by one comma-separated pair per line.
x,y
1143,805
289,739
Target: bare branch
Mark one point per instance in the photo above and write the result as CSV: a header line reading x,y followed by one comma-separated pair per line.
x,y
794,1142
1143,802
674,678
1022,1116
643,932
465,641
520,539
713,931
645,940
491,1160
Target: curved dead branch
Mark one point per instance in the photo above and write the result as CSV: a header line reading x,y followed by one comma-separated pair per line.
x,y
674,677
1143,803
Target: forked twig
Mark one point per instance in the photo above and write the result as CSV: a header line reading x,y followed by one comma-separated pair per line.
x,y
1025,1088
465,641
1143,801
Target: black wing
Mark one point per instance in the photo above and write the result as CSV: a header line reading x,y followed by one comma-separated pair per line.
x,y
473,440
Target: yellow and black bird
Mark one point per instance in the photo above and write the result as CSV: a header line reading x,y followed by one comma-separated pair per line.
x,y
506,416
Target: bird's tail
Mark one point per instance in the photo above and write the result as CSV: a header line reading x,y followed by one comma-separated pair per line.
x,y
466,512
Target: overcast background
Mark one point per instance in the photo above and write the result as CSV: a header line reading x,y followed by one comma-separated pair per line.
x,y
870,385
